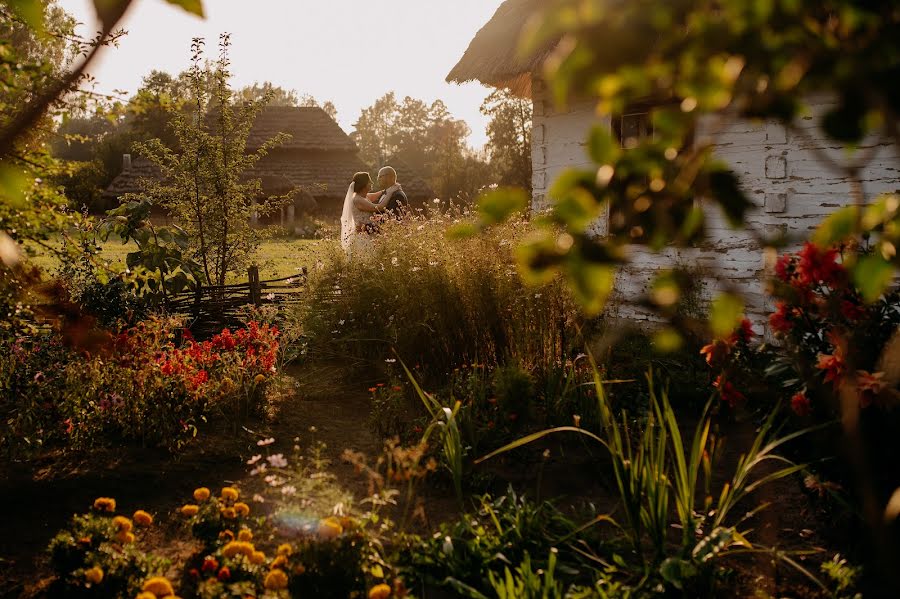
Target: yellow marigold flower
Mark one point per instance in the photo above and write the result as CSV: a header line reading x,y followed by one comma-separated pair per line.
x,y
226,535
229,512
329,528
146,596
245,534
105,504
230,494
242,508
380,591
122,523
258,557
201,494
276,580
189,510
238,548
279,562
159,586
259,378
94,575
285,549
142,518
125,537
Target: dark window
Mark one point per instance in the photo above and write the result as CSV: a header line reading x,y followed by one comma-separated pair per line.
x,y
633,127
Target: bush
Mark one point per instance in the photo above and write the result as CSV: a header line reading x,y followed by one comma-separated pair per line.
x,y
439,302
140,387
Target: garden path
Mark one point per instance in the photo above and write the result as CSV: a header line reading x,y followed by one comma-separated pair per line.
x,y
39,498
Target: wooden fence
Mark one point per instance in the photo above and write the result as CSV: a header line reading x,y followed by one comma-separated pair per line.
x,y
211,308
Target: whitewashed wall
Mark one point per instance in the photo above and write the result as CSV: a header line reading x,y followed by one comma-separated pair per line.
x,y
781,171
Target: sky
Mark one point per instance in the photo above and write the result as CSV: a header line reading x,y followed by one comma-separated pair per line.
x,y
348,51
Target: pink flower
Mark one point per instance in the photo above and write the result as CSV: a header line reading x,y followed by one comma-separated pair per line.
x,y
801,405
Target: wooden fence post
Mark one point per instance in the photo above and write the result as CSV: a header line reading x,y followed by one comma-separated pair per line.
x,y
255,290
198,300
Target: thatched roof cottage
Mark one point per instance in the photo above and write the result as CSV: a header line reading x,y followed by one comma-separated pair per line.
x,y
792,189
318,161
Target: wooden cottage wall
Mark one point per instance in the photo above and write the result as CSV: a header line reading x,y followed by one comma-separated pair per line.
x,y
781,171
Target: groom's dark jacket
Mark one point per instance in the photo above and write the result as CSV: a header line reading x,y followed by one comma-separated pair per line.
x,y
397,205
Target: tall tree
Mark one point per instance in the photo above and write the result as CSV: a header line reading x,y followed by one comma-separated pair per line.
x,y
509,137
204,184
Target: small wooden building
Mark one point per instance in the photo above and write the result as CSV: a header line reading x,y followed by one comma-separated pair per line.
x,y
318,163
781,172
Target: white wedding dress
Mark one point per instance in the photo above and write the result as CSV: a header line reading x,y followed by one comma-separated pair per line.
x,y
356,243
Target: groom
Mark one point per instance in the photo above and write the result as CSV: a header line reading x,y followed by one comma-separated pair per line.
x,y
399,203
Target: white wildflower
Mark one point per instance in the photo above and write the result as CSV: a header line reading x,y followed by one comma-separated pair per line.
x,y
277,461
288,490
254,459
264,442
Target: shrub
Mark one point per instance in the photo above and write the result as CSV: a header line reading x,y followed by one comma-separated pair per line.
x,y
438,301
142,387
100,554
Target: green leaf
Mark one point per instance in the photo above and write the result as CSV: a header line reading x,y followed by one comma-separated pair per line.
x,y
675,571
13,182
192,6
591,283
725,313
839,225
31,11
578,209
602,146
496,206
872,275
667,340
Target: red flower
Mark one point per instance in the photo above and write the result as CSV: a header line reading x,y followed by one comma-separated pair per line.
x,y
224,574
728,392
784,268
817,266
744,332
780,320
715,352
833,366
801,405
852,311
194,573
210,565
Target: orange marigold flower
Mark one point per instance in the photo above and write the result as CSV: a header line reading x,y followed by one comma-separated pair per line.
x,y
259,378
242,508
224,574
189,510
285,549
280,561
201,494
159,586
833,366
329,528
258,557
245,534
238,548
145,595
276,580
125,537
868,385
105,504
94,575
229,513
380,591
230,494
226,535
122,523
142,518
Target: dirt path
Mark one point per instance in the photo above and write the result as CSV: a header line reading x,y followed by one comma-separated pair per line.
x,y
37,499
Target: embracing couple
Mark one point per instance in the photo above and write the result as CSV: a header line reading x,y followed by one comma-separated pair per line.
x,y
364,211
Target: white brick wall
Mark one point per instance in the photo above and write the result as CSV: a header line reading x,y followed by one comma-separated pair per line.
x,y
781,172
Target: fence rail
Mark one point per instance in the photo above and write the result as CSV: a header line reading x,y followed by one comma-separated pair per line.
x,y
211,308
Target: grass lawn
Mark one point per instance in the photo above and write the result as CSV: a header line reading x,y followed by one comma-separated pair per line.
x,y
277,258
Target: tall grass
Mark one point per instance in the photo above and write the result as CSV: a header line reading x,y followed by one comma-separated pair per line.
x,y
440,302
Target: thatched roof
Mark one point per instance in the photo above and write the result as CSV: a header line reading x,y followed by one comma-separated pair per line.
x,y
310,128
494,57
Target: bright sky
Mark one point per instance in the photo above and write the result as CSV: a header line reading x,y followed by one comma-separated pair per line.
x,y
348,51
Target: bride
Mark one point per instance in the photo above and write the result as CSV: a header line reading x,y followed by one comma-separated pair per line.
x,y
360,206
